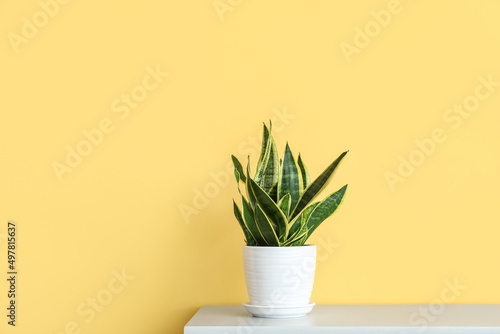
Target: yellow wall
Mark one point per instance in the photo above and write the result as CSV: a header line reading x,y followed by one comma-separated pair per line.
x,y
400,237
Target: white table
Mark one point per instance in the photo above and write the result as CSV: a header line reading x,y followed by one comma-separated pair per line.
x,y
353,319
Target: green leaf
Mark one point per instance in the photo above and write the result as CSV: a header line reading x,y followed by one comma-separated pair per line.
x,y
265,136
248,236
239,168
315,188
237,176
273,193
269,207
251,225
251,196
325,209
290,178
265,227
300,241
284,204
268,172
292,241
253,242
306,178
299,224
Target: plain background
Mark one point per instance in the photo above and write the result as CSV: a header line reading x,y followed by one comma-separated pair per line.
x,y
134,204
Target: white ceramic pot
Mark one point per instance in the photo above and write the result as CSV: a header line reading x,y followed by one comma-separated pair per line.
x,y
280,276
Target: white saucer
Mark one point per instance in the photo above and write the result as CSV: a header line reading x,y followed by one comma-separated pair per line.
x,y
279,312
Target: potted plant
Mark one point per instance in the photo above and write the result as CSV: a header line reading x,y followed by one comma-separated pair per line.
x,y
277,217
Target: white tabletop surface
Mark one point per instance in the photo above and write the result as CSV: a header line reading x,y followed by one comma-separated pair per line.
x,y
353,319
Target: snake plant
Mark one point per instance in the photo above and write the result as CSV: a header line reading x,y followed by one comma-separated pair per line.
x,y
277,209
